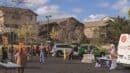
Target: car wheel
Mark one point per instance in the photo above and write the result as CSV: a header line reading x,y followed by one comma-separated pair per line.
x,y
59,53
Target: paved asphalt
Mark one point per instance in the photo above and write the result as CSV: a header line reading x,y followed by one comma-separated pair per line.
x,y
58,65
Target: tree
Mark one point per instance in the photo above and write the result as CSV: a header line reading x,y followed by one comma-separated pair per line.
x,y
26,32
54,34
114,28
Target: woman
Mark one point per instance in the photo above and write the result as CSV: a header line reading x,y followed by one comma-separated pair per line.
x,y
20,57
112,56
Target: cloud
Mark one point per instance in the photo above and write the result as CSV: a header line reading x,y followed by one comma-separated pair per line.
x,y
121,6
54,11
77,10
32,3
95,17
47,10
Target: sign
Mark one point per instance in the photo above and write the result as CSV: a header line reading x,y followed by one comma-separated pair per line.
x,y
123,39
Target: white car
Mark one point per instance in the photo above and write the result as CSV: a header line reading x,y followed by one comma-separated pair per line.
x,y
58,49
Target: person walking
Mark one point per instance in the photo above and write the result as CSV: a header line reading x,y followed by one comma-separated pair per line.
x,y
42,54
21,57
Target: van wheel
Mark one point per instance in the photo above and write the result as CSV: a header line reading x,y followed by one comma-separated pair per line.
x,y
119,66
59,53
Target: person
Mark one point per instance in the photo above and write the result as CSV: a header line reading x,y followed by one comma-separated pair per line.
x,y
99,62
42,53
11,52
28,53
4,54
70,54
21,57
112,56
37,50
31,52
81,52
46,49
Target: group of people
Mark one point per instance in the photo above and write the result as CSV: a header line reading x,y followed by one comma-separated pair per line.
x,y
21,54
109,58
44,51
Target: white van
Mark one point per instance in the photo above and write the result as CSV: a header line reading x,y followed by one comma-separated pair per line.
x,y
58,49
124,50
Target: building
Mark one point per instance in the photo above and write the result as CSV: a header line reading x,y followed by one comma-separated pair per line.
x,y
13,18
67,29
91,27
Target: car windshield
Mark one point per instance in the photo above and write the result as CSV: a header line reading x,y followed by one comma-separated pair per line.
x,y
63,46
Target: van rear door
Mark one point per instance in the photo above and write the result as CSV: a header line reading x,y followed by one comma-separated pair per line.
x,y
124,49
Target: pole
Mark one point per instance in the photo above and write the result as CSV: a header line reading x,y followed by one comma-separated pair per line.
x,y
48,26
65,54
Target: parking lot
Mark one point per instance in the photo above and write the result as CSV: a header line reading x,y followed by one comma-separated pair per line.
x,y
58,65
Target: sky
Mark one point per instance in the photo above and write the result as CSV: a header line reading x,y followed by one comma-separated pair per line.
x,y
83,10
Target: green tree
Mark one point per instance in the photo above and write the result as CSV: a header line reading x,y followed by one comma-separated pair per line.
x,y
115,27
25,32
54,34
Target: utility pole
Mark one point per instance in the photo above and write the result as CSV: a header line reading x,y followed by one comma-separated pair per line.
x,y
47,17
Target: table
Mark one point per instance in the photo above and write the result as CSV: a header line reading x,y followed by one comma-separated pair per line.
x,y
9,66
113,62
105,59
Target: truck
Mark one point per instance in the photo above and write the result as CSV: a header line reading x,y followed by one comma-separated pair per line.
x,y
123,50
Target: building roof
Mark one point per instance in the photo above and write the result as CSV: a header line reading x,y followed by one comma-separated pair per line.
x,y
95,24
58,21
5,8
98,23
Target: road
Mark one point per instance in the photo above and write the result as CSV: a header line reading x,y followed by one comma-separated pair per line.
x,y
58,65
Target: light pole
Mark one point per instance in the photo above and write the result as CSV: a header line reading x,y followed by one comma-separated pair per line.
x,y
47,17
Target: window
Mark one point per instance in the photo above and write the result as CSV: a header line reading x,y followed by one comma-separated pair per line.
x,y
30,17
15,16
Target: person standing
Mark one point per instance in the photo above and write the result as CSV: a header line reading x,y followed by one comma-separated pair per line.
x,y
112,56
21,57
42,54
37,50
4,54
11,52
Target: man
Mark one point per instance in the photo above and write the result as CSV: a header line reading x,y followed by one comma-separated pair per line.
x,y
42,53
11,52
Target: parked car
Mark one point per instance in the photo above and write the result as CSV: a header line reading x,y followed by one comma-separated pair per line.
x,y
87,48
58,49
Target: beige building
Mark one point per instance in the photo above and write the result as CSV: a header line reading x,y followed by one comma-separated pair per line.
x,y
14,18
90,27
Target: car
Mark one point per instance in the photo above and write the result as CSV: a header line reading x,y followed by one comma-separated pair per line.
x,y
88,48
58,49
